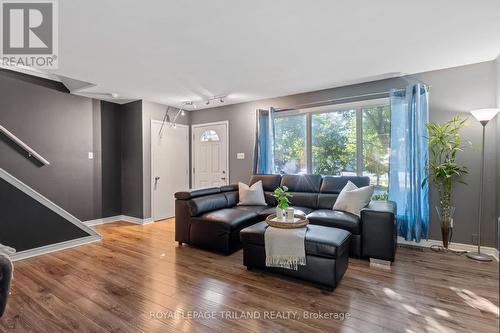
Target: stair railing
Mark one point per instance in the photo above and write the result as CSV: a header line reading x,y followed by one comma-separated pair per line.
x,y
28,149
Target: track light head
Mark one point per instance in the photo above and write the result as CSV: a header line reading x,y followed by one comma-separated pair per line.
x,y
221,100
207,102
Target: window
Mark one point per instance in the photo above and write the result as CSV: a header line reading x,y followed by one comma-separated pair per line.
x,y
334,143
349,140
376,146
209,135
290,144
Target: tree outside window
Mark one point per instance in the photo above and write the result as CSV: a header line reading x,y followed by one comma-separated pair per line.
x,y
336,149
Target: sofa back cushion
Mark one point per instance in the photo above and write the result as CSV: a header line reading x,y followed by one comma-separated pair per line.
x,y
335,184
332,185
269,182
304,189
232,198
326,200
304,199
208,203
302,183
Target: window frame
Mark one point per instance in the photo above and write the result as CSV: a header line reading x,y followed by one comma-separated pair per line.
x,y
358,106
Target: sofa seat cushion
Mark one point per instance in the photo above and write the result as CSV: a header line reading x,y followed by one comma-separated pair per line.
x,y
227,219
336,219
298,210
320,241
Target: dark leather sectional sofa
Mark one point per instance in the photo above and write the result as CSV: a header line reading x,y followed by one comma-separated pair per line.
x,y
5,279
210,218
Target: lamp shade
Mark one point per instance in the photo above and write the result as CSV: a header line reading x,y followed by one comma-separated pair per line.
x,y
485,114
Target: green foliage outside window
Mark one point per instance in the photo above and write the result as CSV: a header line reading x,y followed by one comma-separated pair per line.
x,y
333,136
334,142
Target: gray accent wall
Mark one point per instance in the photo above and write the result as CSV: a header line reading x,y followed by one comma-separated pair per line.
x,y
60,127
27,224
131,160
111,166
454,91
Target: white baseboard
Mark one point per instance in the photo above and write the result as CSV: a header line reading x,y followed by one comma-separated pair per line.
x,y
104,220
118,218
54,247
457,246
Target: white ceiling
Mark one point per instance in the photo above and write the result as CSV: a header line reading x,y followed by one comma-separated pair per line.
x,y
170,51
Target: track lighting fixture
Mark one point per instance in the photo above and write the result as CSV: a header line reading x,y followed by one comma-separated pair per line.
x,y
172,122
215,98
190,104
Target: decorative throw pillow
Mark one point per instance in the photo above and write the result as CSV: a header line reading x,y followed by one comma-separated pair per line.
x,y
352,199
251,195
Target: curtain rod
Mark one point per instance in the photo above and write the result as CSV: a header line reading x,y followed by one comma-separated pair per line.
x,y
380,94
332,101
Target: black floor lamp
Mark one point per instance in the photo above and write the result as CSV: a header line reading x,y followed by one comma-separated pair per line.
x,y
484,116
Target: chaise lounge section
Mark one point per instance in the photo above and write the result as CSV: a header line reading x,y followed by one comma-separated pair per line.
x,y
211,219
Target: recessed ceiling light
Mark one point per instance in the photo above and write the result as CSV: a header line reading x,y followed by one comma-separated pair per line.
x,y
114,95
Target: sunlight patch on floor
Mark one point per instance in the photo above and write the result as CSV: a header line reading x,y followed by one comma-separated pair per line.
x,y
392,294
475,301
441,312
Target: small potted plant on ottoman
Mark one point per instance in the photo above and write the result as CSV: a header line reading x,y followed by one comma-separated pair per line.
x,y
283,209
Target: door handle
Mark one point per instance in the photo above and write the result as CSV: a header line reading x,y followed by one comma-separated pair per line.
x,y
157,178
223,178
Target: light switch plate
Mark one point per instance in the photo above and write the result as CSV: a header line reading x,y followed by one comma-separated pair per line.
x,y
240,156
91,155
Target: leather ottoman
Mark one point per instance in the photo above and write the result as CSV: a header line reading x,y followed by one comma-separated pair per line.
x,y
327,254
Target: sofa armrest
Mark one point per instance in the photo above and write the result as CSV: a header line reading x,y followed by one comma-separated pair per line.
x,y
379,230
5,278
196,202
381,207
189,194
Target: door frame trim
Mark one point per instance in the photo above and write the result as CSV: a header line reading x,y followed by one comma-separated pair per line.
x,y
151,163
223,122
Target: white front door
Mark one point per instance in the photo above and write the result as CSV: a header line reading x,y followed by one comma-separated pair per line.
x,y
169,167
210,149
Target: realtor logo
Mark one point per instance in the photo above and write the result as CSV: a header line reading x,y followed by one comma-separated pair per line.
x,y
29,33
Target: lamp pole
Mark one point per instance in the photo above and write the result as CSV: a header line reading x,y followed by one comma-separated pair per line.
x,y
484,116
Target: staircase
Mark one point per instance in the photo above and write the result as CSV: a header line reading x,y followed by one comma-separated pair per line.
x,y
33,225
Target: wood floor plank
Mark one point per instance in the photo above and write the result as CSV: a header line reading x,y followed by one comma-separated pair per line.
x,y
137,276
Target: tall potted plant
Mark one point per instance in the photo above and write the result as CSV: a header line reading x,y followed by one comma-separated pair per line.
x,y
444,144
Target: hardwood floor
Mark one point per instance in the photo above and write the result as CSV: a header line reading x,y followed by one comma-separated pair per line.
x,y
138,280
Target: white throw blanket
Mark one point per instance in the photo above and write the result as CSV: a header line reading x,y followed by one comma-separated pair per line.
x,y
285,248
